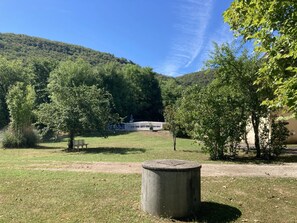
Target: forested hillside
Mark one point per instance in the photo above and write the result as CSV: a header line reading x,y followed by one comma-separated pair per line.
x,y
201,78
15,46
134,90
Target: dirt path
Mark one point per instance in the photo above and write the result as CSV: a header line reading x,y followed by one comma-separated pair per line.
x,y
284,170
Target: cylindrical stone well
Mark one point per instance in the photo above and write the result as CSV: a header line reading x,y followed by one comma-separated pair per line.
x,y
171,188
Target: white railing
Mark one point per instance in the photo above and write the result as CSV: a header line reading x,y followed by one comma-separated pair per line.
x,y
139,126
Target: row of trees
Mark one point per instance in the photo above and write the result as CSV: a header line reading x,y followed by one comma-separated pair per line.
x,y
246,88
73,97
219,114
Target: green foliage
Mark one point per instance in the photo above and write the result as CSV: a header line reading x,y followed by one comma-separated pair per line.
x,y
26,139
171,91
78,104
15,46
145,92
271,24
41,69
213,115
10,73
172,122
279,135
234,67
274,139
20,101
218,114
201,78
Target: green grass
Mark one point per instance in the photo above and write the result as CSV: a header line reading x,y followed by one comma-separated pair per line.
x,y
132,147
28,195
47,196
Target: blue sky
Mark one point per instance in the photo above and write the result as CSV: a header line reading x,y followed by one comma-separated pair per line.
x,y
173,37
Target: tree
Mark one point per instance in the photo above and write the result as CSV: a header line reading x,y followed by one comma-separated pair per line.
x,y
41,68
171,118
213,115
10,73
272,26
119,87
78,103
20,101
145,92
171,91
234,67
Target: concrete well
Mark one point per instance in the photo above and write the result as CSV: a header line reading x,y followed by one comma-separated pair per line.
x,y
171,188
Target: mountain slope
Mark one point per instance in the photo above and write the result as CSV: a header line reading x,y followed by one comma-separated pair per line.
x,y
201,78
17,46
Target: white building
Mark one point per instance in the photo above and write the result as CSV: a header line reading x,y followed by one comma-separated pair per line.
x,y
140,126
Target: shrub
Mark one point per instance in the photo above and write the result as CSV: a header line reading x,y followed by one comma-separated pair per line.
x,y
279,136
28,138
273,145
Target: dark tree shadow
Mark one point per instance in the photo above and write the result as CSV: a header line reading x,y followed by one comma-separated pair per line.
x,y
102,150
47,147
112,150
288,155
110,133
192,151
212,212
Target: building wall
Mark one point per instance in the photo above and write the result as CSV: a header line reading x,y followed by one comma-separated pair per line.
x,y
292,127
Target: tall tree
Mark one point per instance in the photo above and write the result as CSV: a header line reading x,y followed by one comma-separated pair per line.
x,y
20,101
172,121
213,115
272,25
171,91
119,87
10,73
41,68
78,103
146,92
234,67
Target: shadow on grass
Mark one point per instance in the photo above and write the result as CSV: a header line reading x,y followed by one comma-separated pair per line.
x,y
288,155
48,147
212,212
254,160
111,133
193,151
113,150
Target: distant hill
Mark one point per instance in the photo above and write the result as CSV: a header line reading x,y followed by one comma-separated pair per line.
x,y
200,78
17,46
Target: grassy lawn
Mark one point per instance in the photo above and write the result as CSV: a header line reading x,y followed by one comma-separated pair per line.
x,y
132,147
61,196
46,196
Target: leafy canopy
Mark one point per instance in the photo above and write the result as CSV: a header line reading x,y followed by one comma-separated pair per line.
x,y
78,104
11,72
272,26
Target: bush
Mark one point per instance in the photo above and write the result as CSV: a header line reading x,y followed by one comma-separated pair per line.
x,y
279,136
28,138
273,145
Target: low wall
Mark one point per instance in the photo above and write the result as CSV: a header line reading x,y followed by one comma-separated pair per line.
x,y
139,126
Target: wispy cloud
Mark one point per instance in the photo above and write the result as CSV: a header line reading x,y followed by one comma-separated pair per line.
x,y
194,17
222,34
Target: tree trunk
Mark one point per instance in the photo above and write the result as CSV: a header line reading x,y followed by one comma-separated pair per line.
x,y
71,139
246,142
256,124
174,142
